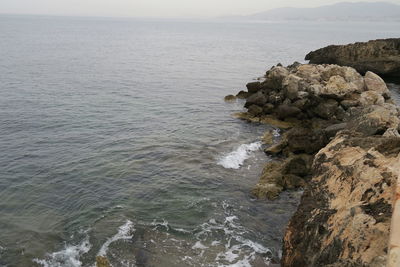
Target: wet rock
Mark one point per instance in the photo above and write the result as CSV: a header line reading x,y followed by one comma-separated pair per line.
x,y
230,98
102,262
268,138
256,99
242,95
380,56
304,140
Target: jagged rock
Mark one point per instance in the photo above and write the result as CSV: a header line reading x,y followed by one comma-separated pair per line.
x,y
253,87
380,56
256,99
230,98
344,215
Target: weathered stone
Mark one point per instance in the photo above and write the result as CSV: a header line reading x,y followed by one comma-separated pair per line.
x,y
380,56
102,262
344,215
369,98
375,83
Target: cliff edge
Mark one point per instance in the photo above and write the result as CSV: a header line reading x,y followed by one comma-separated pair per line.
x,y
380,56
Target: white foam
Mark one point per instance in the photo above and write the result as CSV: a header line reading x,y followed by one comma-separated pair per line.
x,y
235,159
199,245
67,257
124,232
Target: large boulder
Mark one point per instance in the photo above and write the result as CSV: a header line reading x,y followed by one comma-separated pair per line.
x,y
380,56
375,83
258,99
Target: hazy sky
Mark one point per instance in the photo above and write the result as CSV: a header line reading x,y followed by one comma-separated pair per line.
x,y
155,8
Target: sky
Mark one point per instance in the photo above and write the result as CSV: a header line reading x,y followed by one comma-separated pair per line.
x,y
156,8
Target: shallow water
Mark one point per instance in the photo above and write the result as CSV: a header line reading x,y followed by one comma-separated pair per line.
x,y
116,141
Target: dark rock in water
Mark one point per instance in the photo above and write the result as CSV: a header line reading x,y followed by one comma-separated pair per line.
x,y
380,56
286,111
256,99
253,87
255,110
242,95
230,98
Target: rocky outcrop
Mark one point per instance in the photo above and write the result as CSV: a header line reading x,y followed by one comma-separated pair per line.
x,y
345,212
380,56
341,145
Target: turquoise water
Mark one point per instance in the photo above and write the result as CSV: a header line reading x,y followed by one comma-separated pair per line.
x,y
115,139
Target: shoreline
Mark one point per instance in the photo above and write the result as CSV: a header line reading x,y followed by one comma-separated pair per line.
x,y
341,144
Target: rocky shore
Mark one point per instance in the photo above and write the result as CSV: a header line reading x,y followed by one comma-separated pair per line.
x,y
341,144
380,56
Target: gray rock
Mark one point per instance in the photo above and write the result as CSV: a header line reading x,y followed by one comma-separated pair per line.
x,y
256,99
253,87
334,128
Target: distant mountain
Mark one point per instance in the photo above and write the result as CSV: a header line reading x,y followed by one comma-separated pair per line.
x,y
360,11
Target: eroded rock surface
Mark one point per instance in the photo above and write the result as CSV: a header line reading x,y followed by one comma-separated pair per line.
x,y
379,56
341,143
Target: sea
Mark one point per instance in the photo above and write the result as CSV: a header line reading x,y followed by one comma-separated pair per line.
x,y
115,139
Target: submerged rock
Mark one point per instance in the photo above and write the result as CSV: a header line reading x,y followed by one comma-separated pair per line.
x,y
380,56
230,98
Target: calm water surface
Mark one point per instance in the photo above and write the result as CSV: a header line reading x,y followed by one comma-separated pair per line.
x,y
115,139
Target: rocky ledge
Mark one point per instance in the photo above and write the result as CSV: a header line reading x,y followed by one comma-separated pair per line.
x,y
379,56
341,145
